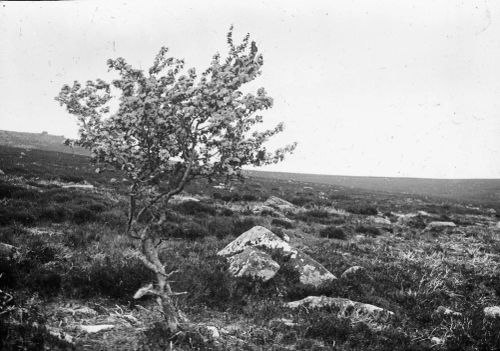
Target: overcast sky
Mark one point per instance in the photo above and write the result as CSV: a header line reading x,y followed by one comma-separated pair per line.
x,y
375,88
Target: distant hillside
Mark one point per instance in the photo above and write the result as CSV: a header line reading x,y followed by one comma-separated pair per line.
x,y
473,190
40,141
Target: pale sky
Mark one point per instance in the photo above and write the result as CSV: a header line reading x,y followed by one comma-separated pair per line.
x,y
370,88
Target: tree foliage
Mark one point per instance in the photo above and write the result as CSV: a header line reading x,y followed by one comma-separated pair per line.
x,y
176,124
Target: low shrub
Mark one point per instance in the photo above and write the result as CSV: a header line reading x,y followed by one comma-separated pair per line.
x,y
195,208
368,229
282,223
332,232
249,197
71,178
363,210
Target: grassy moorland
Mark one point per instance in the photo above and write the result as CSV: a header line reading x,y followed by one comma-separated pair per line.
x,y
74,266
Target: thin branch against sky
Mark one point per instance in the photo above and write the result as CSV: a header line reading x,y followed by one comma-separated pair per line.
x,y
386,88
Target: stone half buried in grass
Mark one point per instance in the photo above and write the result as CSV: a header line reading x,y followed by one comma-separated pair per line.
x,y
258,237
253,263
357,273
345,307
440,225
7,251
492,312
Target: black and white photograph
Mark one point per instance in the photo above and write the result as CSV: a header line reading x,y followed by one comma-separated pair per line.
x,y
250,175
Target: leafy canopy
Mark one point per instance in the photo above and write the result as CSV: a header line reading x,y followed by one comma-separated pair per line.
x,y
173,123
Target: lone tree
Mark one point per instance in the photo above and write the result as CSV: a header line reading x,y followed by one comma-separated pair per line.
x,y
172,126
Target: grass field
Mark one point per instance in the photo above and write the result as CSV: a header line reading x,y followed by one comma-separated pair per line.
x,y
75,267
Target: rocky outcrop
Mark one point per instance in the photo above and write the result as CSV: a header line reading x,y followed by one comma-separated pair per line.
x,y
257,237
345,307
253,263
248,256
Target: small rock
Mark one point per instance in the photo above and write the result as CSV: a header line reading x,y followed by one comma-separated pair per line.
x,y
492,311
447,312
112,180
437,341
380,220
260,208
214,332
7,251
2,172
183,198
283,321
346,307
96,328
78,186
440,225
253,263
423,213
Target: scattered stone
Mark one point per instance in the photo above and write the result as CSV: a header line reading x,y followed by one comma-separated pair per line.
x,y
346,307
177,199
82,311
7,251
379,220
283,321
214,332
78,186
310,271
261,208
279,204
96,328
112,180
253,263
440,225
2,172
447,312
258,237
437,341
355,273
492,311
